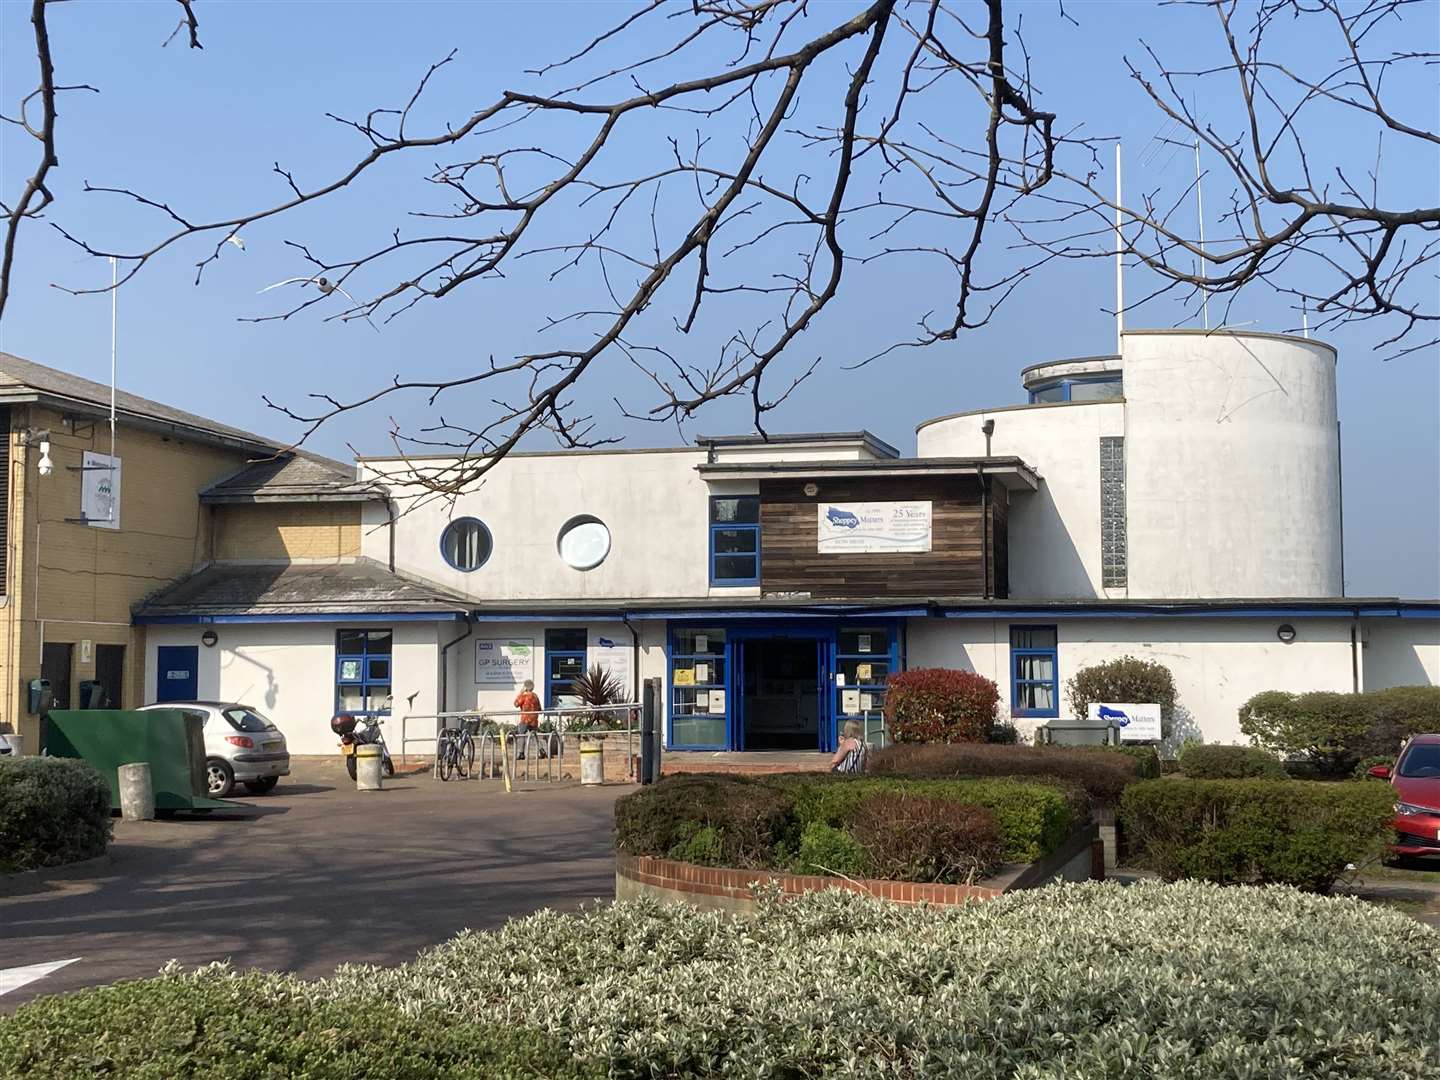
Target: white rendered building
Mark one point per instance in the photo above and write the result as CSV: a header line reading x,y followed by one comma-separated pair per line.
x,y
1180,502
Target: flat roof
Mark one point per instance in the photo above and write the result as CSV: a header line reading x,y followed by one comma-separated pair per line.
x,y
1011,471
866,439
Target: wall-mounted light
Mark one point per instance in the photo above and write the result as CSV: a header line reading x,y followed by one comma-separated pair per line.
x,y
811,490
45,465
1285,632
209,638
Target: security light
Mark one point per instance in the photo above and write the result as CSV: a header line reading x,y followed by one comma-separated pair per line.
x,y
45,465
1285,632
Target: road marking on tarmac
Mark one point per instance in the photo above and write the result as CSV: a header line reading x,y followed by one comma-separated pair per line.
x,y
16,977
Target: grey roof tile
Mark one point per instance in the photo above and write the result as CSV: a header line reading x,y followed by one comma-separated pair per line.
x,y
287,588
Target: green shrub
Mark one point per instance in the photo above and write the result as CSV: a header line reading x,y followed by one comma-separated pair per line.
x,y
1146,758
1034,817
825,849
227,1027
940,705
1093,982
1004,734
745,820
1201,762
910,837
1103,776
1126,679
1363,767
52,811
1252,832
1334,731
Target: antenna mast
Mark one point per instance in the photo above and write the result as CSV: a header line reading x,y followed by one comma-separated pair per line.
x,y
1119,260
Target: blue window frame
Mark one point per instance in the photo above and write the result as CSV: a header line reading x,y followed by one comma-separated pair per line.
x,y
1034,671
564,663
363,672
735,540
701,702
1081,388
466,544
865,658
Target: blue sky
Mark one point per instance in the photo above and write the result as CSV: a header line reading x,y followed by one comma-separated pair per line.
x,y
202,129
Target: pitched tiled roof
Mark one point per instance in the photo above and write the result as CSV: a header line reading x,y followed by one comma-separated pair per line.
x,y
292,477
296,589
21,379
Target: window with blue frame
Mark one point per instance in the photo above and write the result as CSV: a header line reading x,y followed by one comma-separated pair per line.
x,y
1081,388
864,659
735,540
1034,671
363,671
699,703
564,663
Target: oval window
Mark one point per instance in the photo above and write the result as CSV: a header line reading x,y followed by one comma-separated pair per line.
x,y
584,542
466,544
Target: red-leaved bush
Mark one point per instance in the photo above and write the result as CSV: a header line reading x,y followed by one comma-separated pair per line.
x,y
940,705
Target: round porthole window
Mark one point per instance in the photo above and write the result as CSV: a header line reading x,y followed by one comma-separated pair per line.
x,y
583,542
466,544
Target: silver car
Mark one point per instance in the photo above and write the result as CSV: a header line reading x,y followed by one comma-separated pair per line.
x,y
241,746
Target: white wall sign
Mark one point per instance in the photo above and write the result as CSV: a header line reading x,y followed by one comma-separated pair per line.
x,y
100,490
614,655
873,526
504,661
1137,723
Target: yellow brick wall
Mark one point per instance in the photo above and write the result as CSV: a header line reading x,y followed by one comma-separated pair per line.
x,y
309,532
76,583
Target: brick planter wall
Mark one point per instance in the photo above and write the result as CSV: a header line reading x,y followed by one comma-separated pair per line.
x,y
724,889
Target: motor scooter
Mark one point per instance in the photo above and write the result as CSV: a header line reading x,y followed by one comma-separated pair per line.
x,y
357,731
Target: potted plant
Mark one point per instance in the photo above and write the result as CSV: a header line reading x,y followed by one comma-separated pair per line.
x,y
595,688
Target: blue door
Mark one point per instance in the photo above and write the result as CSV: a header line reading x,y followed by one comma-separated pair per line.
x,y
176,678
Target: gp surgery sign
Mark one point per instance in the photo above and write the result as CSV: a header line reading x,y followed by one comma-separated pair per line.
x,y
1137,723
504,661
873,526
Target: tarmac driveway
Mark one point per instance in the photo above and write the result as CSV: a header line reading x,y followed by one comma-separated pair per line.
x,y
313,875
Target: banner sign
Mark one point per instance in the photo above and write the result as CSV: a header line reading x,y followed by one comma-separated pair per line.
x,y
1137,723
504,661
873,527
100,490
614,656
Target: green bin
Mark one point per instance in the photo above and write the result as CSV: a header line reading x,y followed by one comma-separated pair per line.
x,y
171,740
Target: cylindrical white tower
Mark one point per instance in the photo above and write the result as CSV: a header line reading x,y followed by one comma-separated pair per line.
x,y
1209,470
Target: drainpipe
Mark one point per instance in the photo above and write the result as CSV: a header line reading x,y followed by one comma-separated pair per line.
x,y
445,663
986,536
390,509
1355,653
635,661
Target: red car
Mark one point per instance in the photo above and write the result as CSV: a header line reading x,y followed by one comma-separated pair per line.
x,y
1416,779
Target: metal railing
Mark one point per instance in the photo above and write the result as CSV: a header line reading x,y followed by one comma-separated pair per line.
x,y
547,746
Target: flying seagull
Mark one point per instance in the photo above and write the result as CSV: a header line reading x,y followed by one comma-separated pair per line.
x,y
323,284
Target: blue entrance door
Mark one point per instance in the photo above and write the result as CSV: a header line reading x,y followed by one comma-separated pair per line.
x,y
177,678
780,685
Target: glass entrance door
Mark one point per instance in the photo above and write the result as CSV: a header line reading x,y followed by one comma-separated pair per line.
x,y
781,682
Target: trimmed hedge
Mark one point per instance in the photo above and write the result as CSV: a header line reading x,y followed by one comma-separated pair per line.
x,y
1103,776
1253,832
1334,731
921,838
1084,982
52,811
1034,818
769,823
1201,762
1146,758
713,820
239,1027
940,705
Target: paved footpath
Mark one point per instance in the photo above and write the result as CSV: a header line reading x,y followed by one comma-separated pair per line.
x,y
314,875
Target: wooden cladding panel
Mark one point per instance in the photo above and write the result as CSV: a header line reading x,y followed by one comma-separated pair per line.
x,y
955,565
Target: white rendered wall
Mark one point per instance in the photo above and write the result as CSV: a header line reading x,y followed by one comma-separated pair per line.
x,y
1218,663
1401,652
287,671
654,503
1232,465
1054,532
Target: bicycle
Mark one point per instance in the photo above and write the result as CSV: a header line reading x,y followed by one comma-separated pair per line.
x,y
455,749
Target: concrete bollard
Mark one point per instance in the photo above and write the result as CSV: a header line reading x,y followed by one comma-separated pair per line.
x,y
368,772
592,762
137,792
